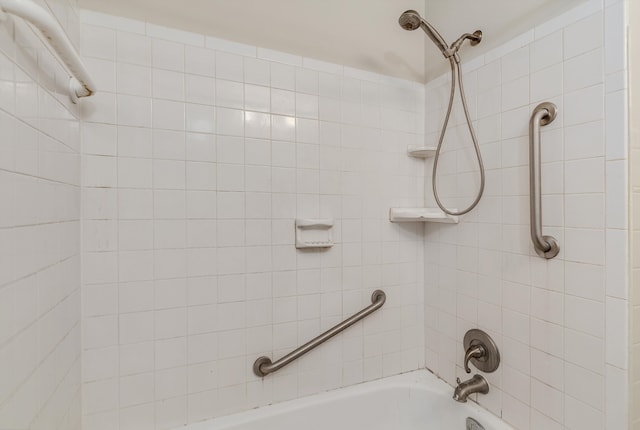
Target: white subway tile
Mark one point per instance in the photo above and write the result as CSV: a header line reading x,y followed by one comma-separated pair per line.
x,y
98,42
585,315
584,35
515,93
101,395
585,210
585,176
103,73
167,55
229,66
257,71
135,173
168,115
546,51
515,64
112,22
173,35
279,57
584,70
617,336
100,332
283,76
617,412
547,400
100,171
200,61
515,412
135,204
616,131
617,205
168,85
307,81
614,38
581,415
100,108
199,118
585,386
617,254
134,49
584,105
134,111
229,94
257,98
547,337
133,80
584,140
585,280
512,45
228,46
546,83
136,389
257,125
515,123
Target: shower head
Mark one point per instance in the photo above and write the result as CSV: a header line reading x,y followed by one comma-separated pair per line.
x,y
411,20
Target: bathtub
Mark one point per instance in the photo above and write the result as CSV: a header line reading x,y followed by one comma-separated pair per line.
x,y
411,401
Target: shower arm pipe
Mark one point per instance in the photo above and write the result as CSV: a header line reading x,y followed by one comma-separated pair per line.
x,y
263,365
80,83
545,246
474,37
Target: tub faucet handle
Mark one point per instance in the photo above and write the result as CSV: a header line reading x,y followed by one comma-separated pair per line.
x,y
481,351
475,351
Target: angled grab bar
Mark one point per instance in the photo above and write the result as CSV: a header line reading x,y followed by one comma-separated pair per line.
x,y
546,246
80,84
263,365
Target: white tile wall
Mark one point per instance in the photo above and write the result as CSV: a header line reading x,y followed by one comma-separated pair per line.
x,y
561,324
199,154
633,380
40,377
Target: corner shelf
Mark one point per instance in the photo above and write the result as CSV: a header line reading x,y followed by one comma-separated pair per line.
x,y
421,215
419,151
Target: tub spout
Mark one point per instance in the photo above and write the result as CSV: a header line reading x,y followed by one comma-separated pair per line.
x,y
477,384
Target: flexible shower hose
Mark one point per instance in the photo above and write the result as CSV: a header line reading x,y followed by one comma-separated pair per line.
x,y
455,66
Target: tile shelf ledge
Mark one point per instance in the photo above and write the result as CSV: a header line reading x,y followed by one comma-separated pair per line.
x,y
421,151
421,215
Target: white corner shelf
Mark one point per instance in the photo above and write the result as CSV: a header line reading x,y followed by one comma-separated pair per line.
x,y
421,215
417,151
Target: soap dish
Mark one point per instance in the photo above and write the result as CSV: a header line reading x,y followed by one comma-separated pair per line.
x,y
313,233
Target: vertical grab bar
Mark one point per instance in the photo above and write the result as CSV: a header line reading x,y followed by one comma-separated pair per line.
x,y
546,246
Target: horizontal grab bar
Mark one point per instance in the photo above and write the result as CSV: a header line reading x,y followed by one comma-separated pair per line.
x,y
80,84
546,246
263,365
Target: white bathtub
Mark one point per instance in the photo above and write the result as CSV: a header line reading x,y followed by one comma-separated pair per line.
x,y
412,401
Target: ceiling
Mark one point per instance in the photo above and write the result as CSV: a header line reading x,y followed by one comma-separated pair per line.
x,y
359,33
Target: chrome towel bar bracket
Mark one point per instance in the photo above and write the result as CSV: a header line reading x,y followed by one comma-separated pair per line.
x,y
545,246
263,365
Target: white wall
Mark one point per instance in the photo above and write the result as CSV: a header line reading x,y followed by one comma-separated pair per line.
x,y
198,154
561,324
39,232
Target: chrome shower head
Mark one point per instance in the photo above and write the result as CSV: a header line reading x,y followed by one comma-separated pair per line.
x,y
411,20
